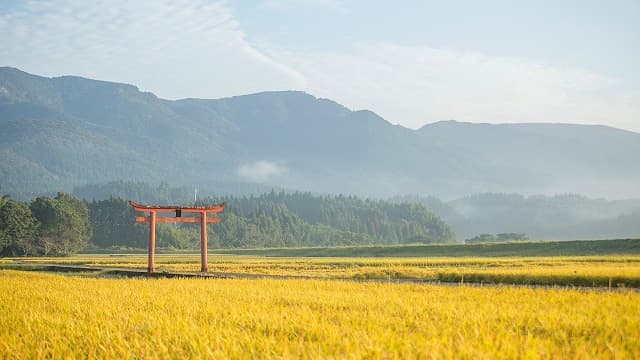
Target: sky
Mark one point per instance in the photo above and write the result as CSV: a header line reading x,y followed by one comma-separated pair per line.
x,y
412,62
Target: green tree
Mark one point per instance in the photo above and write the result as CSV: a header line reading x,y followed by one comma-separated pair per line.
x,y
267,220
18,229
481,238
4,240
511,237
3,199
113,224
64,224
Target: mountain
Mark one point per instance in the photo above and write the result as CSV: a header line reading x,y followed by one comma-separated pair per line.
x,y
58,133
545,158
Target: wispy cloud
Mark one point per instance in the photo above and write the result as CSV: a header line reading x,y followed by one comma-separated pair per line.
x,y
289,4
417,84
176,48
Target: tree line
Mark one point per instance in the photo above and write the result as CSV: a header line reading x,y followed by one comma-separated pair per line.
x,y
501,237
64,224
47,226
277,219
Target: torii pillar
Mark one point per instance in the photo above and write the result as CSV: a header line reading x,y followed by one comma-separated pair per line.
x,y
153,218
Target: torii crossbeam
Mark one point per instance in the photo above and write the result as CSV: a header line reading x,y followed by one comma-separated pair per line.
x,y
152,218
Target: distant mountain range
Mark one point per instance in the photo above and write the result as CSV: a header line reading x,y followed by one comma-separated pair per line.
x,y
57,133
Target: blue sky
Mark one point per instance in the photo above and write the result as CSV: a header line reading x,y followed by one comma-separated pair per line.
x,y
413,62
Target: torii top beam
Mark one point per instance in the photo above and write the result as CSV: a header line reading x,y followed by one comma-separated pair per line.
x,y
215,208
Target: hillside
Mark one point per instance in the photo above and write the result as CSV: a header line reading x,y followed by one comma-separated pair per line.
x,y
67,131
545,158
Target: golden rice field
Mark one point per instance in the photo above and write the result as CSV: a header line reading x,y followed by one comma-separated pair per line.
x,y
57,316
619,270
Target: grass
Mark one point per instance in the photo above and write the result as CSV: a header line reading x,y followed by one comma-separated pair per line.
x,y
600,271
53,316
604,263
529,248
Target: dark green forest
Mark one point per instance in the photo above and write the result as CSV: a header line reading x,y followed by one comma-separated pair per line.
x,y
277,219
538,217
47,226
294,219
65,224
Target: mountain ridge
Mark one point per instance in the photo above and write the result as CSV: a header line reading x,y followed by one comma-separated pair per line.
x,y
520,124
288,139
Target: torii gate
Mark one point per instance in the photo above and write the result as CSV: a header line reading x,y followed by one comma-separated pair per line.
x,y
152,219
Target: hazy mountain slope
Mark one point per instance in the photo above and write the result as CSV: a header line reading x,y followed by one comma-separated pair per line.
x,y
61,132
546,158
545,217
43,155
318,144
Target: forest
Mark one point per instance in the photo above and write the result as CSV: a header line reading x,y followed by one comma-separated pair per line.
x,y
48,226
66,223
277,219
539,217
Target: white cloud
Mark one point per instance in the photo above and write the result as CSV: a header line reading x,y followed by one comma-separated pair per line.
x,y
176,48
336,5
261,171
413,85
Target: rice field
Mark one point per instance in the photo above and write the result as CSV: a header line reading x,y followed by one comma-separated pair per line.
x,y
56,316
598,271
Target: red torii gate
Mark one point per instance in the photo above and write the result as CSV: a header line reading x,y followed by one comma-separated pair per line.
x,y
152,219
